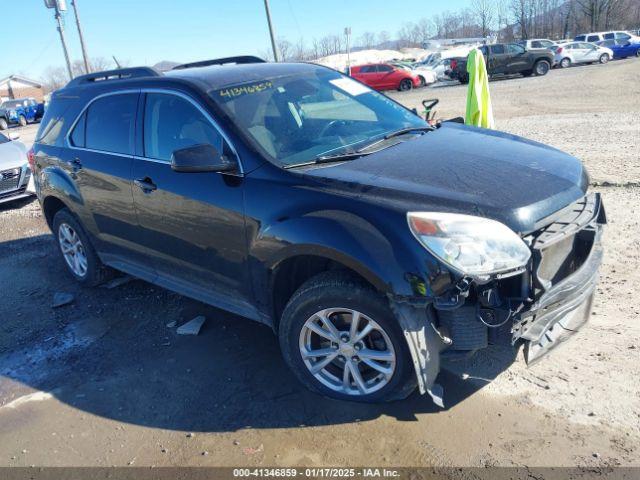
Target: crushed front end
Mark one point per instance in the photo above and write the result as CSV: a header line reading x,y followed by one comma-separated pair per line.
x,y
537,306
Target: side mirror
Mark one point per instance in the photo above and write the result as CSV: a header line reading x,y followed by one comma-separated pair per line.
x,y
14,136
201,158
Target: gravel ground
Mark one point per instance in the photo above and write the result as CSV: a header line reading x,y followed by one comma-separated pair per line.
x,y
104,380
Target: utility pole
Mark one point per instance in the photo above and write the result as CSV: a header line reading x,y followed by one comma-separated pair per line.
x,y
273,37
347,33
85,57
60,6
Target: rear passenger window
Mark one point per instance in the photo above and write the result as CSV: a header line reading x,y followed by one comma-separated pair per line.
x,y
593,38
172,123
110,123
78,134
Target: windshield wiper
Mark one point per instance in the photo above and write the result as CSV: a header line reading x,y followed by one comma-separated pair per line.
x,y
397,133
338,157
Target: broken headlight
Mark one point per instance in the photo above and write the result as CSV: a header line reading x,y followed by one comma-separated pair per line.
x,y
473,246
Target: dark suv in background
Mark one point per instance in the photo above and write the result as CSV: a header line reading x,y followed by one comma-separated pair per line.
x,y
372,243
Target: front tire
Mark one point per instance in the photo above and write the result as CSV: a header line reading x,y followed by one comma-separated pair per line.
x,y
541,68
3,124
340,339
22,121
78,254
604,58
405,85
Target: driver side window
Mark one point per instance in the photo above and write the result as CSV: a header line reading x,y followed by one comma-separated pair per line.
x,y
172,123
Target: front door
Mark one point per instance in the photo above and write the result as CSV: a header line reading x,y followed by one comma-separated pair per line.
x,y
192,224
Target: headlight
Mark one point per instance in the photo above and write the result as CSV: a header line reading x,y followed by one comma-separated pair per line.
x,y
473,246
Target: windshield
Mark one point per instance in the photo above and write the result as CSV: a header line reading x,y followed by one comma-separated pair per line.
x,y
296,118
12,104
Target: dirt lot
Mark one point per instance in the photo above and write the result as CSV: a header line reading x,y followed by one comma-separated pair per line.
x,y
104,381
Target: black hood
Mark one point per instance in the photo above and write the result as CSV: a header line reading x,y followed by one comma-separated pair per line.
x,y
465,170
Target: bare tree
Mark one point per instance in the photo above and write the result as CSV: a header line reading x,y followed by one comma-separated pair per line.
x,y
367,40
484,13
383,37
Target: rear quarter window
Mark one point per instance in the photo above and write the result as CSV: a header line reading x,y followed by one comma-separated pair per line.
x,y
54,123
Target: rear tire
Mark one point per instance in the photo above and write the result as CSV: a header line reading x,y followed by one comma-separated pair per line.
x,y
405,85
541,68
464,79
78,254
22,121
565,63
340,298
604,58
3,124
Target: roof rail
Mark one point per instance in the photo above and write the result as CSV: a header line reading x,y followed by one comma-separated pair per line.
x,y
221,61
119,74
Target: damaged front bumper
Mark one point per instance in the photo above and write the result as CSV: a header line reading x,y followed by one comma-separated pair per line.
x,y
552,298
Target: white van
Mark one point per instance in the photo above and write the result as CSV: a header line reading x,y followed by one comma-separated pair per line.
x,y
612,35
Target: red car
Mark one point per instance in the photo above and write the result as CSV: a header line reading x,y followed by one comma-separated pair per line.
x,y
382,76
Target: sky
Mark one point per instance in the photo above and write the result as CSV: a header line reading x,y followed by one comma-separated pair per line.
x,y
144,32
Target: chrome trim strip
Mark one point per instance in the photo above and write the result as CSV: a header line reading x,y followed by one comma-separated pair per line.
x,y
166,91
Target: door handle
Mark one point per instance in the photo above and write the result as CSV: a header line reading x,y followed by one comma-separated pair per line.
x,y
145,184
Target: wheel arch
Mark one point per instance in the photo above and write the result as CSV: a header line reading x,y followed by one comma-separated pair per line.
x,y
306,261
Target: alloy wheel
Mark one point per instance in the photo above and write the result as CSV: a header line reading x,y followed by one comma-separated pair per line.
x,y
565,63
347,351
72,249
542,68
604,58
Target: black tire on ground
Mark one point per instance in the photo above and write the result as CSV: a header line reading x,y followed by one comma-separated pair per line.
x,y
464,79
638,53
336,289
565,62
405,85
604,58
96,273
3,124
541,67
22,121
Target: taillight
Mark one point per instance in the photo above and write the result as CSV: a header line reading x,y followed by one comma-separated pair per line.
x,y
559,50
32,159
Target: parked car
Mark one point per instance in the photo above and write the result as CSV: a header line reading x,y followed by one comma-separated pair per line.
x,y
537,43
383,76
610,35
571,53
439,69
621,48
14,168
20,111
506,59
426,77
371,242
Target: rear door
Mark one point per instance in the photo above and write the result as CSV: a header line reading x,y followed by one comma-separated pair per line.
x,y
191,224
99,161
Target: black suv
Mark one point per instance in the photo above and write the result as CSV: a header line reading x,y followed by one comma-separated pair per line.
x,y
373,243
